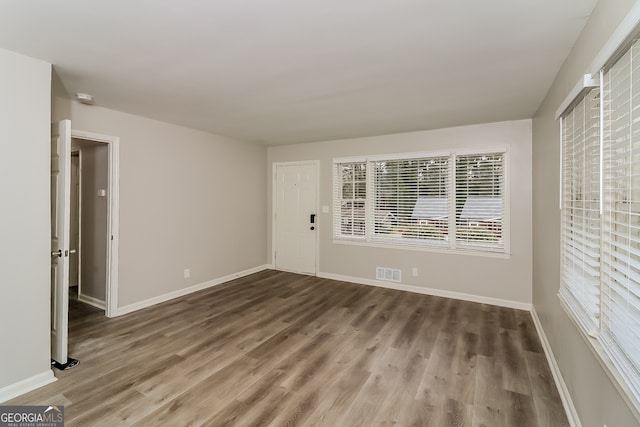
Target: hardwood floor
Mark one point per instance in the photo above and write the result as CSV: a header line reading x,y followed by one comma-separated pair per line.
x,y
277,349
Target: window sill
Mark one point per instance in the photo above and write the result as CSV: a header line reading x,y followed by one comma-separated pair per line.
x,y
605,362
434,249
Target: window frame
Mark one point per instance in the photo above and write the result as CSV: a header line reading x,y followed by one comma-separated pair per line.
x,y
416,245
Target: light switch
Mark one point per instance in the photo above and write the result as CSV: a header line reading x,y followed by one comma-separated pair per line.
x,y
102,192
325,209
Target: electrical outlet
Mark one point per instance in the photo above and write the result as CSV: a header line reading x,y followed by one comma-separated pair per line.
x,y
187,273
414,271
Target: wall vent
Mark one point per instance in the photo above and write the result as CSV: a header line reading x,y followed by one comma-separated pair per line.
x,y
388,274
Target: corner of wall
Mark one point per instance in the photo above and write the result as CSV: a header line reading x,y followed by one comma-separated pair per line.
x,y
60,108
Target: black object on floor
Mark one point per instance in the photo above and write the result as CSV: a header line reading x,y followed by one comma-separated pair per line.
x,y
62,366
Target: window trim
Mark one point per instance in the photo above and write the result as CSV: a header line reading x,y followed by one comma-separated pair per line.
x,y
417,248
370,241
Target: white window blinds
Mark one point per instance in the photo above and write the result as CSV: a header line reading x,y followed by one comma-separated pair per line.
x,y
601,215
411,199
350,193
580,266
419,200
480,200
620,303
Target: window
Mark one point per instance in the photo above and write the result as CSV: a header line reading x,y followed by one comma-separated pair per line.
x,y
580,264
431,200
350,199
479,200
410,199
600,282
620,302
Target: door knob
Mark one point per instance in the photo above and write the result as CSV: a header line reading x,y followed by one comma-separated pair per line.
x,y
58,253
72,251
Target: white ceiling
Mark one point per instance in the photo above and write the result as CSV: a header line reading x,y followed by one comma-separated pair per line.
x,y
289,71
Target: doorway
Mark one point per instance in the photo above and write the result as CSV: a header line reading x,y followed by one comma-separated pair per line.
x,y
295,219
99,219
89,222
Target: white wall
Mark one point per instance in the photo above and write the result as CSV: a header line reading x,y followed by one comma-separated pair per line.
x,y
502,279
188,199
593,394
25,86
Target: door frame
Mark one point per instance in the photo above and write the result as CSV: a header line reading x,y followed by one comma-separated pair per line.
x,y
274,183
113,215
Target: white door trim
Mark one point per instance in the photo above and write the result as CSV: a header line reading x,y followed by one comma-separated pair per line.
x,y
274,182
113,215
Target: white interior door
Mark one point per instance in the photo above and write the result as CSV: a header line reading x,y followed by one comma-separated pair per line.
x,y
295,217
60,224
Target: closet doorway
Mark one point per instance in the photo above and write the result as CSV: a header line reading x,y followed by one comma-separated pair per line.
x,y
89,234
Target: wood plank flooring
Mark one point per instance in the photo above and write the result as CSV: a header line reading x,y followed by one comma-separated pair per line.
x,y
279,349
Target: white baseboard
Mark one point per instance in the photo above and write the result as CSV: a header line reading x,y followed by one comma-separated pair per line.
x,y
429,291
567,402
185,291
26,385
92,301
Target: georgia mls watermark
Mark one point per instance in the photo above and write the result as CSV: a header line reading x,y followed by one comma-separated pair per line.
x,y
31,416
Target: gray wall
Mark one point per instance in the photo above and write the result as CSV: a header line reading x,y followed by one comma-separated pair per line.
x,y
25,85
596,399
188,199
93,223
501,279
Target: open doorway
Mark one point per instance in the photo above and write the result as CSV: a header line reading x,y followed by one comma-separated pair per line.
x,y
95,264
89,222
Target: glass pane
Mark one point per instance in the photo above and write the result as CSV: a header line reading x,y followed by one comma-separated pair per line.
x,y
411,200
347,190
479,201
347,172
360,190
